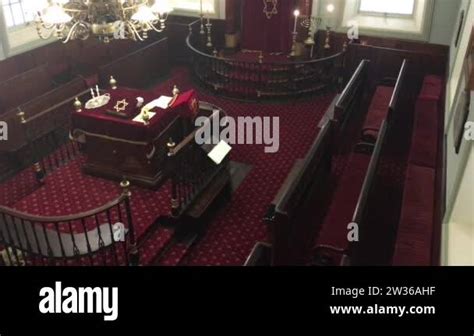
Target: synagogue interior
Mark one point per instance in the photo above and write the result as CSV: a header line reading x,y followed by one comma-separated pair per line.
x,y
236,133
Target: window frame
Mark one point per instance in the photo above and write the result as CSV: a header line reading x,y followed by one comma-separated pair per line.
x,y
388,15
197,12
416,28
8,6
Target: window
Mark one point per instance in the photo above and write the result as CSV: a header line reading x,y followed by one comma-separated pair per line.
x,y
208,6
406,19
18,12
393,7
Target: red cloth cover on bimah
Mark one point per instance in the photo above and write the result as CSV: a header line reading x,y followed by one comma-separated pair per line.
x,y
97,121
377,113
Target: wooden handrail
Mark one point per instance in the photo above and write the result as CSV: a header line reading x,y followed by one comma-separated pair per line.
x,y
398,85
369,177
175,150
57,219
256,63
350,85
36,116
41,66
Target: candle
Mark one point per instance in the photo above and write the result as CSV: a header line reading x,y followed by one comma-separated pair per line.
x,y
296,13
92,93
97,89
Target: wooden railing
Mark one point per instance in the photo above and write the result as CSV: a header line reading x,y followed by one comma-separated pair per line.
x,y
49,144
191,171
103,236
257,80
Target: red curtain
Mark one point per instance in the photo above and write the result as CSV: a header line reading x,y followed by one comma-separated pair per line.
x,y
268,35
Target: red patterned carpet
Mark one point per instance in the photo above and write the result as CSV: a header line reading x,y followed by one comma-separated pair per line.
x,y
231,235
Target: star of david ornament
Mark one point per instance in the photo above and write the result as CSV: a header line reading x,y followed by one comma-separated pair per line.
x,y
121,105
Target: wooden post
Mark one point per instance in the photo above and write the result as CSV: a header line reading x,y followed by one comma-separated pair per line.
x,y
175,204
134,256
39,173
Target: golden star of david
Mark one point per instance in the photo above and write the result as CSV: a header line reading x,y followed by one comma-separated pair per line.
x,y
121,105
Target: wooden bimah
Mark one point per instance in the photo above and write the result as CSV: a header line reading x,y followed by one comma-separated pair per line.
x,y
122,139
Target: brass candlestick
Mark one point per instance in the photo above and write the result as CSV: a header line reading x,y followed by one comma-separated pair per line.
x,y
209,34
113,83
327,44
293,45
77,105
202,31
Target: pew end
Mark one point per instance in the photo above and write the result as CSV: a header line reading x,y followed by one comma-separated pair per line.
x,y
290,215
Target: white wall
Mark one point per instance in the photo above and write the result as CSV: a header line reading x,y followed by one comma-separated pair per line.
x,y
459,249
459,220
444,23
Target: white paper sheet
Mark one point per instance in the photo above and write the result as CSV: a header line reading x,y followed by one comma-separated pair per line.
x,y
218,153
161,103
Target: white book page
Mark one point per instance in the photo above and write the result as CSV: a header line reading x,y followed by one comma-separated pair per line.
x,y
162,103
219,153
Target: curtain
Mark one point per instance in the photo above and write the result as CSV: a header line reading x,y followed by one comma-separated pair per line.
x,y
268,35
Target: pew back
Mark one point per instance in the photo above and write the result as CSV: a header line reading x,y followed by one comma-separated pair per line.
x,y
366,202
291,220
140,68
352,94
400,88
23,87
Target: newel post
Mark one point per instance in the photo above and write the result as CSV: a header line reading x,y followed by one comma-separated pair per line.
x,y
39,173
134,256
172,167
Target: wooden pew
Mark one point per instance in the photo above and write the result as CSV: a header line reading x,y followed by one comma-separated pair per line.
x,y
418,233
291,212
332,245
140,68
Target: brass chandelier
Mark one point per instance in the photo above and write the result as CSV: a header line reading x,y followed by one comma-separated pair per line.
x,y
104,19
